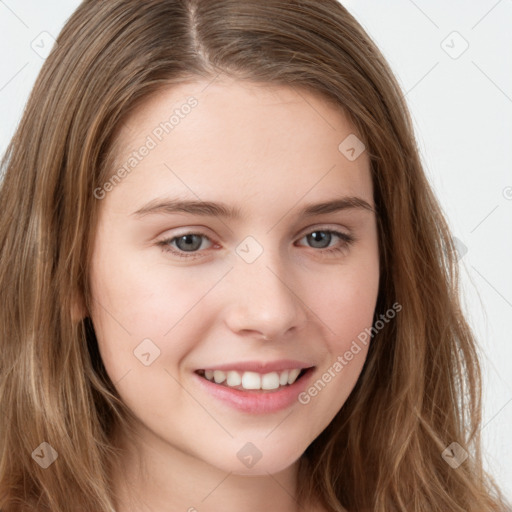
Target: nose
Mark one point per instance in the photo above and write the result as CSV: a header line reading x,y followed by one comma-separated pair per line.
x,y
263,299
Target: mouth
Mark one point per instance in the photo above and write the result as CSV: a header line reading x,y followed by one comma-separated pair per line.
x,y
255,382
253,388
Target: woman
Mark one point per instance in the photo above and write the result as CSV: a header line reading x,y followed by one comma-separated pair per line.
x,y
173,337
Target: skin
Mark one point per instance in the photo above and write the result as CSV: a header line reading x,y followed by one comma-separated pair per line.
x,y
268,150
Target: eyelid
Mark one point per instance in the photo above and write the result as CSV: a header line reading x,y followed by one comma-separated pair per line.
x,y
306,231
323,227
171,234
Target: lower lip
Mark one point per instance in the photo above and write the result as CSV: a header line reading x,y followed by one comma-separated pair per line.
x,y
257,402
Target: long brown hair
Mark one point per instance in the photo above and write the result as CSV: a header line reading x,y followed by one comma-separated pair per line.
x,y
419,390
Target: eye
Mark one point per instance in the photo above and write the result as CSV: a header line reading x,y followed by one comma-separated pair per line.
x,y
188,245
322,238
185,243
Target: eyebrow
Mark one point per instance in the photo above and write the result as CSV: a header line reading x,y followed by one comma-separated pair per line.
x,y
213,209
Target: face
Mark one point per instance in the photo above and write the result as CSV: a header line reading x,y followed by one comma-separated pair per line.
x,y
198,306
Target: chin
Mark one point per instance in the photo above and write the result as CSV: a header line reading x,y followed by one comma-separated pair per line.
x,y
262,469
271,463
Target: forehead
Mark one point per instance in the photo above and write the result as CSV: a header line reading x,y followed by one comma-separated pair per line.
x,y
239,137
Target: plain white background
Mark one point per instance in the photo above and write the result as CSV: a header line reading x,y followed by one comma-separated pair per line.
x,y
453,61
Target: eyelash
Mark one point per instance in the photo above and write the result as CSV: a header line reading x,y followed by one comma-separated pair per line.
x,y
347,240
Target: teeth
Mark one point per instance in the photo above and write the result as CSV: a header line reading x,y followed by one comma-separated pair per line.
x,y
219,376
292,376
234,379
270,381
253,380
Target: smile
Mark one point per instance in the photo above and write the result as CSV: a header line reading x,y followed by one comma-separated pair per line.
x,y
248,380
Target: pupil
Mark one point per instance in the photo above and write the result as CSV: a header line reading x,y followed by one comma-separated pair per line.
x,y
189,244
319,237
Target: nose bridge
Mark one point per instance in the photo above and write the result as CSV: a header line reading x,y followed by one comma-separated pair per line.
x,y
261,291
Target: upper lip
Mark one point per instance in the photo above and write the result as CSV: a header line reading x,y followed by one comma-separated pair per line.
x,y
260,366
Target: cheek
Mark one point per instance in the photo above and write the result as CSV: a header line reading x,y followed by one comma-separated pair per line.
x,y
345,302
347,314
134,302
